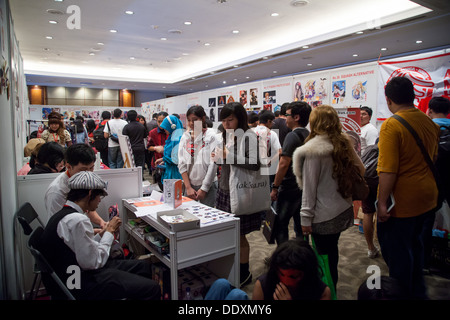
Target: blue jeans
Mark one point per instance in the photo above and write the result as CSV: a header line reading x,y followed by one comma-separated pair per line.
x,y
221,290
402,245
288,206
115,158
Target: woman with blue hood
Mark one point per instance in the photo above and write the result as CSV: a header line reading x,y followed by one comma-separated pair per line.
x,y
174,129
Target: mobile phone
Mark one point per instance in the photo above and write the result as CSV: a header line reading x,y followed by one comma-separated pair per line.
x,y
390,202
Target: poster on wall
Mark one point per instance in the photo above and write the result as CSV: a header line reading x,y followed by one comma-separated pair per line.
x,y
312,89
354,87
429,72
276,92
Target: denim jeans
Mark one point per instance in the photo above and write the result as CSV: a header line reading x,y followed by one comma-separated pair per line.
x,y
115,158
288,206
402,243
221,289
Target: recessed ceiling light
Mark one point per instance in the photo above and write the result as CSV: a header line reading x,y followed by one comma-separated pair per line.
x,y
129,12
299,3
132,58
100,43
46,49
49,37
383,49
235,31
309,64
305,47
53,22
185,54
275,14
113,31
224,82
275,72
265,58
207,44
59,0
247,77
91,54
355,55
359,32
163,39
419,41
234,79
236,66
188,23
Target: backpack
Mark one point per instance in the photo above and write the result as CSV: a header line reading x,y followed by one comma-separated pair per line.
x,y
100,142
442,164
370,161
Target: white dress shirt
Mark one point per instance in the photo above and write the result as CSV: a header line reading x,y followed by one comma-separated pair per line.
x,y
369,135
91,251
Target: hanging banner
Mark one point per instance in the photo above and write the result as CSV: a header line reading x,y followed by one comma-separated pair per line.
x,y
430,74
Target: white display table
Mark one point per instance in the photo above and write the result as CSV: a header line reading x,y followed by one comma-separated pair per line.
x,y
215,245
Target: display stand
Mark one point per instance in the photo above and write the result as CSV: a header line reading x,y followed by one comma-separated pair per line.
x,y
215,245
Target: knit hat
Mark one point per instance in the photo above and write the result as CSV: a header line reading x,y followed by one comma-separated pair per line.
x,y
87,180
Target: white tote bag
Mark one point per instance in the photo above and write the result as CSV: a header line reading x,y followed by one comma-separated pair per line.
x,y
249,190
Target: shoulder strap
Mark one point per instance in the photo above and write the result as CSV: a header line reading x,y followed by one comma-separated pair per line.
x,y
419,143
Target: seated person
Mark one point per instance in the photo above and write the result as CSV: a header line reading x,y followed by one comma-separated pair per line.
x,y
50,159
68,240
293,275
79,157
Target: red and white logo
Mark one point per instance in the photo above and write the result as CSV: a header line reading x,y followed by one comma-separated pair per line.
x,y
423,85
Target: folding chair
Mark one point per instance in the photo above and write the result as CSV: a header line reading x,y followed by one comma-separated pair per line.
x,y
55,287
26,215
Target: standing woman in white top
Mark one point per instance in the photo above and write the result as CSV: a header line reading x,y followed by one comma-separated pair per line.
x,y
324,167
194,158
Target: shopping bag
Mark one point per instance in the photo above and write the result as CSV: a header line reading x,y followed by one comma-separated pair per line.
x,y
324,268
269,226
249,191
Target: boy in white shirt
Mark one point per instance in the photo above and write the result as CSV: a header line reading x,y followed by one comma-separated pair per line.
x,y
369,132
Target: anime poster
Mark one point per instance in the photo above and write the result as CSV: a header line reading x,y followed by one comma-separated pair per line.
x,y
243,97
254,97
221,100
270,97
338,91
211,102
311,89
212,115
359,91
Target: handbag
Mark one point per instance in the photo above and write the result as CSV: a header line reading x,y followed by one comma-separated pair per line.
x,y
324,269
269,226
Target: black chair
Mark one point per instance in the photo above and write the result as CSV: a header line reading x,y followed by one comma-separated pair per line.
x,y
53,284
26,215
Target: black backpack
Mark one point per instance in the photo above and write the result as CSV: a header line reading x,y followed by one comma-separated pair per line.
x,y
100,142
442,164
370,161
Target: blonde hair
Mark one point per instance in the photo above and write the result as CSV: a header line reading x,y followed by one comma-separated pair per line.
x,y
324,120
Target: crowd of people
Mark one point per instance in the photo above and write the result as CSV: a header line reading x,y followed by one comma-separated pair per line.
x,y
305,163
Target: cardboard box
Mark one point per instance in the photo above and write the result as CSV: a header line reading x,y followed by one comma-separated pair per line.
x,y
173,192
178,220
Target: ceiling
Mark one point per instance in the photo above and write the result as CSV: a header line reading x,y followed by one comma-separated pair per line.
x,y
227,42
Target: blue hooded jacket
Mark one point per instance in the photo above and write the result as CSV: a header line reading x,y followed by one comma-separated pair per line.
x,y
170,157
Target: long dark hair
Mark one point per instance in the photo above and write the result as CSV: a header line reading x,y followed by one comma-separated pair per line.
x,y
198,111
293,254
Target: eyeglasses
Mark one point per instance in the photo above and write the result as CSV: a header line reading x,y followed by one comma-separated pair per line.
x,y
287,114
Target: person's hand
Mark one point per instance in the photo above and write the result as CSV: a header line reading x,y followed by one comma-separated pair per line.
x,y
306,230
191,193
159,161
382,213
113,225
159,149
281,292
274,194
201,194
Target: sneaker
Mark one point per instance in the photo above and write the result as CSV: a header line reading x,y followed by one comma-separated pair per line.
x,y
373,253
246,280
